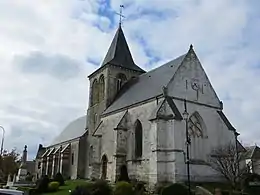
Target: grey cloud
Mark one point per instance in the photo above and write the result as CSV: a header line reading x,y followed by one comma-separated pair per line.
x,y
57,65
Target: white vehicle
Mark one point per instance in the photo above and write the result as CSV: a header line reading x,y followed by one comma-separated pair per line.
x,y
10,192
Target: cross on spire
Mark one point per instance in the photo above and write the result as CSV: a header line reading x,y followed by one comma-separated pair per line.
x,y
121,14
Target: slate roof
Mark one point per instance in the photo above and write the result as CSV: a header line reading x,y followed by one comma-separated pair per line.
x,y
253,152
146,86
41,151
119,54
74,130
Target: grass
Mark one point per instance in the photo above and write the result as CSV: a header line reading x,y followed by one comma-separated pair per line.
x,y
69,185
212,185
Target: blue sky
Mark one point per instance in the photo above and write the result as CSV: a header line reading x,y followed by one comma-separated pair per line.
x,y
49,47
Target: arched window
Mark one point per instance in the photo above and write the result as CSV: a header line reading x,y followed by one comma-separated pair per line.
x,y
91,155
121,79
197,133
138,139
95,92
101,87
104,161
95,119
195,126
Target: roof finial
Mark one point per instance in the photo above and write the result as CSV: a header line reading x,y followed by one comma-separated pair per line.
x,y
121,14
191,46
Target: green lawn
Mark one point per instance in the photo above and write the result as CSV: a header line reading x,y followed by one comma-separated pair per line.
x,y
69,185
212,185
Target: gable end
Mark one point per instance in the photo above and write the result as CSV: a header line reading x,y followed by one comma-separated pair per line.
x,y
226,121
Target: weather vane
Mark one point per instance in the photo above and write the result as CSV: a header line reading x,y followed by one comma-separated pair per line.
x,y
121,14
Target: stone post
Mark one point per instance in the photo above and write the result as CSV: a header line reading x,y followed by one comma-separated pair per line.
x,y
9,178
53,165
14,178
47,166
61,163
59,160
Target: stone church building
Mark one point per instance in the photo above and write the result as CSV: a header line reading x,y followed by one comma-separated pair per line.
x,y
135,118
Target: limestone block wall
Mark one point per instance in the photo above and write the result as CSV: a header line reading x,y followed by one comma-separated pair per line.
x,y
217,134
82,157
37,169
112,72
141,169
108,143
256,166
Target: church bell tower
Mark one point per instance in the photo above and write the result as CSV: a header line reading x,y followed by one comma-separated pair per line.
x,y
117,68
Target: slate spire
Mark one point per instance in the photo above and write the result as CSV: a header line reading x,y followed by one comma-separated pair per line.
x,y
119,54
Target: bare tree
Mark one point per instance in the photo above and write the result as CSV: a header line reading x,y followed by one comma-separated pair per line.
x,y
226,160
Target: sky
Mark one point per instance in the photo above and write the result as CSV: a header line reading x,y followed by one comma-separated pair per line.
x,y
48,48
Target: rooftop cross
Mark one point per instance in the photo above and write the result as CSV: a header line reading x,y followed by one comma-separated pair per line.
x,y
121,14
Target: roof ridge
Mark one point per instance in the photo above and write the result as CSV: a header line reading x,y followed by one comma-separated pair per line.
x,y
155,69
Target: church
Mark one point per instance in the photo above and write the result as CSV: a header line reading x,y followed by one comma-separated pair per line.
x,y
135,118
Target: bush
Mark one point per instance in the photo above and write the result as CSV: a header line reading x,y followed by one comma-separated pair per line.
x,y
173,189
29,178
123,188
80,190
89,186
139,188
42,184
251,189
59,178
159,187
53,186
101,188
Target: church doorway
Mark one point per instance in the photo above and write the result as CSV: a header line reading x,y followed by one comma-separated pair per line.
x,y
104,167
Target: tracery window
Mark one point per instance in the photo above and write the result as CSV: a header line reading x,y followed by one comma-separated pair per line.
x,y
138,139
195,127
198,135
101,87
121,79
95,92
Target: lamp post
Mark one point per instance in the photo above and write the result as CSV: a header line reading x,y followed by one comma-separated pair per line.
x,y
3,137
185,117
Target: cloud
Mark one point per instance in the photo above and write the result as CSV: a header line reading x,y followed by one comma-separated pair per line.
x,y
58,66
49,47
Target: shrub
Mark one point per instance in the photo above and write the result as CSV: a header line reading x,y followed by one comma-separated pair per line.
x,y
53,186
123,188
80,190
159,187
89,186
173,189
42,184
29,178
249,188
101,188
59,178
139,188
